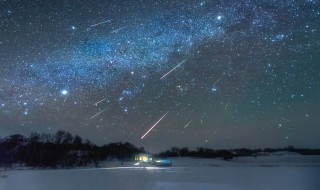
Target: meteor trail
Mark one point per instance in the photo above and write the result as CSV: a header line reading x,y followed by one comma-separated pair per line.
x,y
98,114
117,30
187,125
154,125
96,104
226,107
173,68
217,81
99,23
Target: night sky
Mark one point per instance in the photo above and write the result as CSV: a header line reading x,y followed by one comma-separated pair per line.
x,y
219,74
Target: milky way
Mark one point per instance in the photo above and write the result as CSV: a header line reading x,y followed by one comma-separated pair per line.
x,y
236,73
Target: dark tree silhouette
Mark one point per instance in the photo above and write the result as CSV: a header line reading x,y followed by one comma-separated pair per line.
x,y
62,150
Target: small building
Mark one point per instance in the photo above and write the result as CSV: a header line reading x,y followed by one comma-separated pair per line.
x,y
143,158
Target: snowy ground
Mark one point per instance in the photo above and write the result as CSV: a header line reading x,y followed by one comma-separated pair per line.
x,y
286,172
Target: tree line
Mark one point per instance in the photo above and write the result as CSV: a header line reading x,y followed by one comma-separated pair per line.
x,y
231,153
61,150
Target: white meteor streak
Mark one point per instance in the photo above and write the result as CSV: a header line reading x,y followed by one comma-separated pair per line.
x,y
187,125
100,23
117,30
217,81
154,125
173,69
96,104
98,114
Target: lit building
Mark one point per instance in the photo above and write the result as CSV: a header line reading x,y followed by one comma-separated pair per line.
x,y
143,158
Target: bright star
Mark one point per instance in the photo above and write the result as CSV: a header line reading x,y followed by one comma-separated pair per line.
x,y
214,88
126,92
64,92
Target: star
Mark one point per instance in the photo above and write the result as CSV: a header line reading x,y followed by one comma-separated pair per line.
x,y
214,89
64,92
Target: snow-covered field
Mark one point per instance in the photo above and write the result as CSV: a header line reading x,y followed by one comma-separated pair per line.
x,y
286,172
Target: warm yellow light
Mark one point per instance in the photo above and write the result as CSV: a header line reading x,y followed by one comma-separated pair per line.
x,y
144,158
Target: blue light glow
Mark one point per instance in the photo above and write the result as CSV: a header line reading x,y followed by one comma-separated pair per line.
x,y
64,92
214,89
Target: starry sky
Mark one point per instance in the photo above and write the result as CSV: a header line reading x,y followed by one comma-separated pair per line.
x,y
218,74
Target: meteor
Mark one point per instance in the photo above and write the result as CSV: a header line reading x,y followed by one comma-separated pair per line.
x,y
217,81
96,104
154,125
187,125
99,23
173,68
98,114
226,106
117,30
